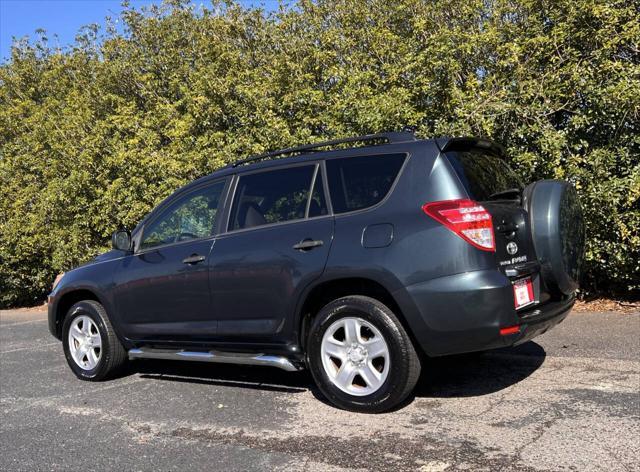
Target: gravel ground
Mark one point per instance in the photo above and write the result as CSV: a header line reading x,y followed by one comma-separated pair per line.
x,y
570,400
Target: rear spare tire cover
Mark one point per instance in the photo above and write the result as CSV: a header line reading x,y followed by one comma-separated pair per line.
x,y
557,228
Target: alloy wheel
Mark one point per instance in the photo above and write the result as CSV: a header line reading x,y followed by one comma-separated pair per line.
x,y
85,342
355,356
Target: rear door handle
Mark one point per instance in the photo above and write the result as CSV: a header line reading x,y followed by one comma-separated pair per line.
x,y
193,259
527,268
307,244
507,227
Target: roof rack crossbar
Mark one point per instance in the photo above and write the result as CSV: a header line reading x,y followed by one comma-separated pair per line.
x,y
396,137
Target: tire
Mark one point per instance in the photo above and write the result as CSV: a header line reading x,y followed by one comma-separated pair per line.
x,y
366,392
558,232
108,359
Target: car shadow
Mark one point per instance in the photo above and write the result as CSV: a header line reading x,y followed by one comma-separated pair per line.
x,y
476,374
241,376
466,375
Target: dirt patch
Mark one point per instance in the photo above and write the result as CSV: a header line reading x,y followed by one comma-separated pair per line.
x,y
28,309
367,452
607,304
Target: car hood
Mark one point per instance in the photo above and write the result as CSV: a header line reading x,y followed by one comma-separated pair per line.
x,y
105,256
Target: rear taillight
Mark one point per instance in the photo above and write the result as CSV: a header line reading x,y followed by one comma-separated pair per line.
x,y
466,218
509,330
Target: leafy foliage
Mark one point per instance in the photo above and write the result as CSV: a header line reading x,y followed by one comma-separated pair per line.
x,y
93,136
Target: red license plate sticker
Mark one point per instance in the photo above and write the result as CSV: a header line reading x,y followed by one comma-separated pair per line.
x,y
523,292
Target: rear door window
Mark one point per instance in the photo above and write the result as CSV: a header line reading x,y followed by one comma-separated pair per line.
x,y
483,174
360,182
276,196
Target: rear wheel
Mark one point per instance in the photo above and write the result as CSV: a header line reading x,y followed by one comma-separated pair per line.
x,y
360,355
90,345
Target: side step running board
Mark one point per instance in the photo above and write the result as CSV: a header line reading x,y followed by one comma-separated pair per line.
x,y
214,356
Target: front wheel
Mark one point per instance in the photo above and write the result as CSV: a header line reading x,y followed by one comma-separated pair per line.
x,y
90,345
361,356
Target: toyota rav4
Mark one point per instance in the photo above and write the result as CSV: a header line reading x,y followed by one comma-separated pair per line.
x,y
354,262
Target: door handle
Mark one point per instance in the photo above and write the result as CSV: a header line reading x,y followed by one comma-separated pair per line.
x,y
507,228
307,244
193,259
523,269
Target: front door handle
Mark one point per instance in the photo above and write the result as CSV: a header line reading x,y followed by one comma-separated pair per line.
x,y
307,244
193,259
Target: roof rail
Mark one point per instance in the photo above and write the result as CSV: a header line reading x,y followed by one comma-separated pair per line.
x,y
393,137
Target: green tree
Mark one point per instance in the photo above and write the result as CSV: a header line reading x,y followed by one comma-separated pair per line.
x,y
94,135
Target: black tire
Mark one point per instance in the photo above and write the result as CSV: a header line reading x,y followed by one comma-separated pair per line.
x,y
558,232
113,356
404,368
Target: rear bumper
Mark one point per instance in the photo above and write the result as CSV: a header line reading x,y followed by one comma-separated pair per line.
x,y
540,320
464,313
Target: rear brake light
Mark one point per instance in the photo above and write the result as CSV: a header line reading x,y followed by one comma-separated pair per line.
x,y
466,218
509,330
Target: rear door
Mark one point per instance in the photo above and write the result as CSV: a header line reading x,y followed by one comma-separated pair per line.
x,y
277,242
489,180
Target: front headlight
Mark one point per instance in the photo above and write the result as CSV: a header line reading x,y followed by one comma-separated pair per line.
x,y
57,281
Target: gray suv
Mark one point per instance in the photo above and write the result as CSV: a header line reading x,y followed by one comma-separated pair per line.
x,y
354,258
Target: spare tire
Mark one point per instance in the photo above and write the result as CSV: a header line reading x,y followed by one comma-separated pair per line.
x,y
557,229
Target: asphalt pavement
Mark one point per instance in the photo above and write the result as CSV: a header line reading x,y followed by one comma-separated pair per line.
x,y
569,400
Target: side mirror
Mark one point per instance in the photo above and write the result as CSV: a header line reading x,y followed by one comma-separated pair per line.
x,y
121,240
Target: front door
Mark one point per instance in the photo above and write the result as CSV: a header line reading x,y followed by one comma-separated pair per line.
x,y
278,241
162,290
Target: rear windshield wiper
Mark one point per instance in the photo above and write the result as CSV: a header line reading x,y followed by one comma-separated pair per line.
x,y
509,194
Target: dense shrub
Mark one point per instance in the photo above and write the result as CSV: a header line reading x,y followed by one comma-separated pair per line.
x,y
94,135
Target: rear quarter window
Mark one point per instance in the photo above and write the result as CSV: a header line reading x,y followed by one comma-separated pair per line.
x,y
361,182
483,174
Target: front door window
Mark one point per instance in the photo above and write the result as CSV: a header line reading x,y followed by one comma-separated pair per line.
x,y
191,217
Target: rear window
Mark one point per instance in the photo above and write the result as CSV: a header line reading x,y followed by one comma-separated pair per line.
x,y
483,174
361,182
